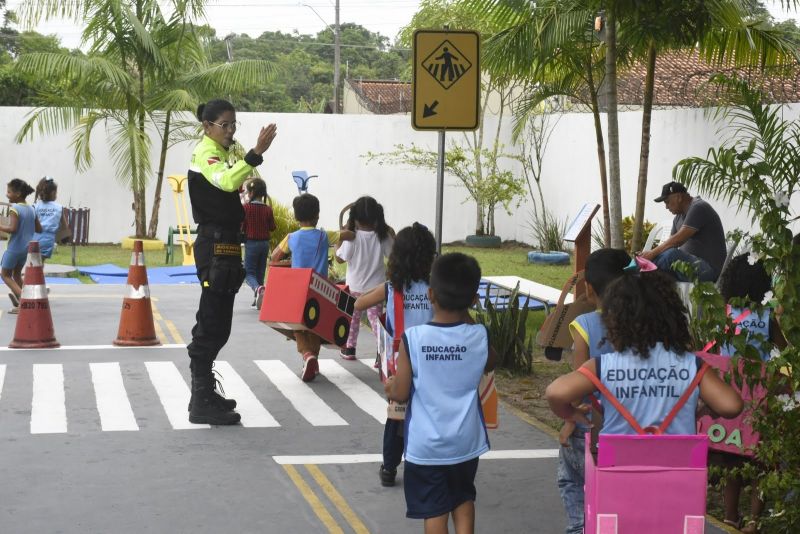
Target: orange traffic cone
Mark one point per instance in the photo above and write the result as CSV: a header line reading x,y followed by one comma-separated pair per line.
x,y
488,393
136,327
34,324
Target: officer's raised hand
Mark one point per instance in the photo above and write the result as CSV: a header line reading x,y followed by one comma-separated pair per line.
x,y
265,137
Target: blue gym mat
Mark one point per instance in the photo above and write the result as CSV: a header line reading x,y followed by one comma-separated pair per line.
x,y
500,302
113,274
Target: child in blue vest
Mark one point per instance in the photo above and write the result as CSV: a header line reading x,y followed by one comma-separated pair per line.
x,y
439,367
652,363
748,283
21,227
50,214
410,261
308,247
590,340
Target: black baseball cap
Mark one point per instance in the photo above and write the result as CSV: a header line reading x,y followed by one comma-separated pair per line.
x,y
668,189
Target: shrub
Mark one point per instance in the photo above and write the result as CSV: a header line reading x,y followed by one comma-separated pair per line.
x,y
508,333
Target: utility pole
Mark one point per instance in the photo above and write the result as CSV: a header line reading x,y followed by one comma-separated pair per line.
x,y
229,48
336,62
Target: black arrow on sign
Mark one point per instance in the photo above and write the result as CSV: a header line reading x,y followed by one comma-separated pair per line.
x,y
429,111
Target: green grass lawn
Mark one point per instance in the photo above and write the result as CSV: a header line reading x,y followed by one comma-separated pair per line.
x,y
115,254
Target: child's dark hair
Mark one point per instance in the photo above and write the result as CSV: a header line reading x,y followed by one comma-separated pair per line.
x,y
454,281
21,187
258,189
366,210
211,110
306,207
46,189
604,266
742,280
412,255
641,309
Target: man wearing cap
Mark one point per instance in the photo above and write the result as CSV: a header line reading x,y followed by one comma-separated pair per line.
x,y
697,236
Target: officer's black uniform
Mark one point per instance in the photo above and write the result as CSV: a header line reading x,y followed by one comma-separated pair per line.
x,y
217,252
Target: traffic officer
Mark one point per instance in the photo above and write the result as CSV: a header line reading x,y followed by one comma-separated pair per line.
x,y
215,176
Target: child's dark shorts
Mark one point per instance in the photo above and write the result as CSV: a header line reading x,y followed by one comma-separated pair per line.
x,y
434,490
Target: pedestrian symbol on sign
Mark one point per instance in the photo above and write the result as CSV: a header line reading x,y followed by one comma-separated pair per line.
x,y
446,64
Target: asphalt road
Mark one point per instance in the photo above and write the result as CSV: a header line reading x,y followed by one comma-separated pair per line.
x,y
96,439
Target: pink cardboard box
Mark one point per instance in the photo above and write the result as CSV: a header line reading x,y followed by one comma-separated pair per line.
x,y
652,484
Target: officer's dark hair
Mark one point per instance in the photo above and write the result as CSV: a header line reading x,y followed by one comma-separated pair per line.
x,y
21,187
413,252
742,280
454,281
258,189
604,266
366,210
642,309
211,110
306,207
46,189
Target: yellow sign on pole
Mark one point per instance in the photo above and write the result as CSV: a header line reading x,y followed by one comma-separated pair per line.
x,y
446,80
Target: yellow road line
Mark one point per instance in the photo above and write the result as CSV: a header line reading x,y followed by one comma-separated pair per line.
x,y
159,331
337,499
313,500
174,331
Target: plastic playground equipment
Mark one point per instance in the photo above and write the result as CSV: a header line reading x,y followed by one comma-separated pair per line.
x,y
183,229
301,179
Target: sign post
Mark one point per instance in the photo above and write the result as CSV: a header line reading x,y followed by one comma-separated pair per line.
x,y
580,233
445,88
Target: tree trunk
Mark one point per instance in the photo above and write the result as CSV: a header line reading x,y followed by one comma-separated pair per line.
x,y
153,229
141,204
478,220
601,155
614,190
644,155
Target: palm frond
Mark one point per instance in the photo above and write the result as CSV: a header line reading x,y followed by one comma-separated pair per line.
x,y
233,77
48,121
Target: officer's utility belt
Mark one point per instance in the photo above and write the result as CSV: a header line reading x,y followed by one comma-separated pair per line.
x,y
225,274
218,233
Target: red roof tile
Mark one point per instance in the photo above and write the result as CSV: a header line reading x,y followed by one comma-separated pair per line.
x,y
383,97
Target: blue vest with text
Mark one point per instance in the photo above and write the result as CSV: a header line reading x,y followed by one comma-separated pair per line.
x,y
649,388
444,421
416,306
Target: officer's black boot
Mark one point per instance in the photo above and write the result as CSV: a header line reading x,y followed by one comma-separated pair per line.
x,y
205,407
228,404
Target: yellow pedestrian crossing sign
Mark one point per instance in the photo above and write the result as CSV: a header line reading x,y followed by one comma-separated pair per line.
x,y
446,80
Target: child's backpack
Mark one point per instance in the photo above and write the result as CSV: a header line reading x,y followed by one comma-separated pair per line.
x,y
647,482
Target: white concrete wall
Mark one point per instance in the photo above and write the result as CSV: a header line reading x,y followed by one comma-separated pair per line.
x,y
332,146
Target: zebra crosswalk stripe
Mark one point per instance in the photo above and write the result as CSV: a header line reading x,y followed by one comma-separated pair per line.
x,y
172,392
112,399
364,396
299,394
48,408
252,411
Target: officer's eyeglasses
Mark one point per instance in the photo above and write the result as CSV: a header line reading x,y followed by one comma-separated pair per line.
x,y
227,125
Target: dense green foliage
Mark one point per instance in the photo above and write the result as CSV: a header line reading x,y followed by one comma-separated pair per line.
x,y
304,63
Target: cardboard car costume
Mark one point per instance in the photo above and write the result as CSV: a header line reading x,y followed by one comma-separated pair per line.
x,y
301,299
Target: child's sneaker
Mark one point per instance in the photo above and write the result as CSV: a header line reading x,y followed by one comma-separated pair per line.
x,y
14,310
377,363
310,367
348,353
14,300
387,477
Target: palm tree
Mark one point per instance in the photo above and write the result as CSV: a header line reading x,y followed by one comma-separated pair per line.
x,y
539,35
142,66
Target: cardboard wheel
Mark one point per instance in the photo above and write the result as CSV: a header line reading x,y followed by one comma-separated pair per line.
x,y
341,329
311,313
